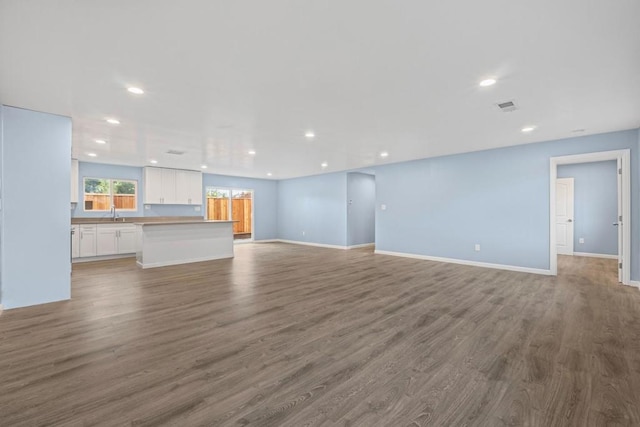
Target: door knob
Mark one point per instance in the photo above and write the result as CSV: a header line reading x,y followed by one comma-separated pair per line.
x,y
615,224
569,220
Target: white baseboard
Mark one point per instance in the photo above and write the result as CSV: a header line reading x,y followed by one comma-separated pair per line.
x,y
267,241
364,245
590,255
182,261
101,258
466,262
319,245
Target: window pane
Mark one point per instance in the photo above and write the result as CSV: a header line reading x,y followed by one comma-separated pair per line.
x,y
217,204
241,194
124,187
124,194
96,186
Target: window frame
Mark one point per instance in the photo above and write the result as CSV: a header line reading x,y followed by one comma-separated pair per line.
x,y
111,193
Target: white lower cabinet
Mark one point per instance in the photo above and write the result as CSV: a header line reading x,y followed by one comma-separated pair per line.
x,y
103,239
127,239
75,241
88,235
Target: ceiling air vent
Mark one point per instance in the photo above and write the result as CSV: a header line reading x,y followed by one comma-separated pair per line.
x,y
507,106
176,152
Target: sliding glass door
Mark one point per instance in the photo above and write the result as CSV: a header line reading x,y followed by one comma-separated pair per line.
x,y
235,204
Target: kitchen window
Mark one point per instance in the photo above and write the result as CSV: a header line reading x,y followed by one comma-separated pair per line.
x,y
102,194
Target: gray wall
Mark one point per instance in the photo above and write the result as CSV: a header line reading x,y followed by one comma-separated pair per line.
x,y
36,169
595,206
361,208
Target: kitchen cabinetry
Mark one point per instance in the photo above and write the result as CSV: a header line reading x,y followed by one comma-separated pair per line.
x,y
74,181
75,241
114,239
172,186
88,238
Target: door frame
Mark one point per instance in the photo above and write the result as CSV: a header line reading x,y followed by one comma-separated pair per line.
x,y
624,194
253,203
572,216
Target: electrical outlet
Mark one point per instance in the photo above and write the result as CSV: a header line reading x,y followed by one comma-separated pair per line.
x,y
196,208
383,207
581,240
147,206
304,232
477,247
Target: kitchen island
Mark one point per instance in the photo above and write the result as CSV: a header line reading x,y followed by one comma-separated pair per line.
x,y
179,242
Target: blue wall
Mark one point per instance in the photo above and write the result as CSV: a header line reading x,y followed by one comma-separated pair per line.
x,y
36,153
99,170
595,206
315,206
361,208
498,198
265,194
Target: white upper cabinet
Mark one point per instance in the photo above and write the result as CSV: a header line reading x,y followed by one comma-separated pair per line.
x,y
74,180
172,186
152,185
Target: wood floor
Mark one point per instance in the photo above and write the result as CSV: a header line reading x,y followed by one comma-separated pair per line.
x,y
287,335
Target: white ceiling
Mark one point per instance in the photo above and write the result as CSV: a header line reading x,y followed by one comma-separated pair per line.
x,y
224,77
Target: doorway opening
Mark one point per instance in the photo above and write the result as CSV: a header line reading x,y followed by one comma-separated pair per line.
x,y
603,229
232,204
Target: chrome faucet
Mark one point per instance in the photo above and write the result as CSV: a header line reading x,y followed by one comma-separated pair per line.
x,y
114,215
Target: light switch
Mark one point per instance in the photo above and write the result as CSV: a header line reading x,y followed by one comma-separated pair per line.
x,y
581,240
383,207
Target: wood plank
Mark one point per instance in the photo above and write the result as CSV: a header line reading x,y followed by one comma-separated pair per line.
x,y
293,335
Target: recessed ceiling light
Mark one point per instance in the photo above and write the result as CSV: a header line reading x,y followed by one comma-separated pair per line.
x,y
92,155
269,174
324,164
309,134
100,141
153,162
113,121
203,167
487,82
528,129
135,90
384,154
252,152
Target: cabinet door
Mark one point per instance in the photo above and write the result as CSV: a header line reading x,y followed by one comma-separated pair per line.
x,y
127,240
152,185
195,188
75,241
182,187
106,243
87,240
168,186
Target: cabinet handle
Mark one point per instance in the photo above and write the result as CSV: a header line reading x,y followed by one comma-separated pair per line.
x,y
81,235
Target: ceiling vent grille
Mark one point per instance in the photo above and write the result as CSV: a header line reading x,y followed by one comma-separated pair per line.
x,y
176,152
507,106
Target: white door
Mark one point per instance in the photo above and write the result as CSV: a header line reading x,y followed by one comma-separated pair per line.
x,y
620,222
564,216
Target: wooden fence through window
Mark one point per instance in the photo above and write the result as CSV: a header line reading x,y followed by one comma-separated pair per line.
x,y
218,209
102,202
